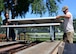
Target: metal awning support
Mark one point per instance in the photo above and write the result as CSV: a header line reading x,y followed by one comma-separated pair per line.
x,y
35,22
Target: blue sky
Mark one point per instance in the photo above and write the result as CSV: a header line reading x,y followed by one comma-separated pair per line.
x,y
70,3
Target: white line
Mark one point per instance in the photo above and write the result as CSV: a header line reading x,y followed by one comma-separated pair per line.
x,y
31,25
43,18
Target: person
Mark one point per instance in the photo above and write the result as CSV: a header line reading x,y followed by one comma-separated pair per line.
x,y
67,24
11,30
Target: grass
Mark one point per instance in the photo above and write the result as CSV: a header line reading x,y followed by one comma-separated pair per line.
x,y
41,36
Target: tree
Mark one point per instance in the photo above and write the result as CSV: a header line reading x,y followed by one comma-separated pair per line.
x,y
1,6
38,6
74,23
0,20
21,7
1,9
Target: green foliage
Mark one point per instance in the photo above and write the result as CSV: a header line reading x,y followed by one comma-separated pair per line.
x,y
52,6
59,1
1,5
38,7
74,21
0,20
41,6
21,7
1,8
